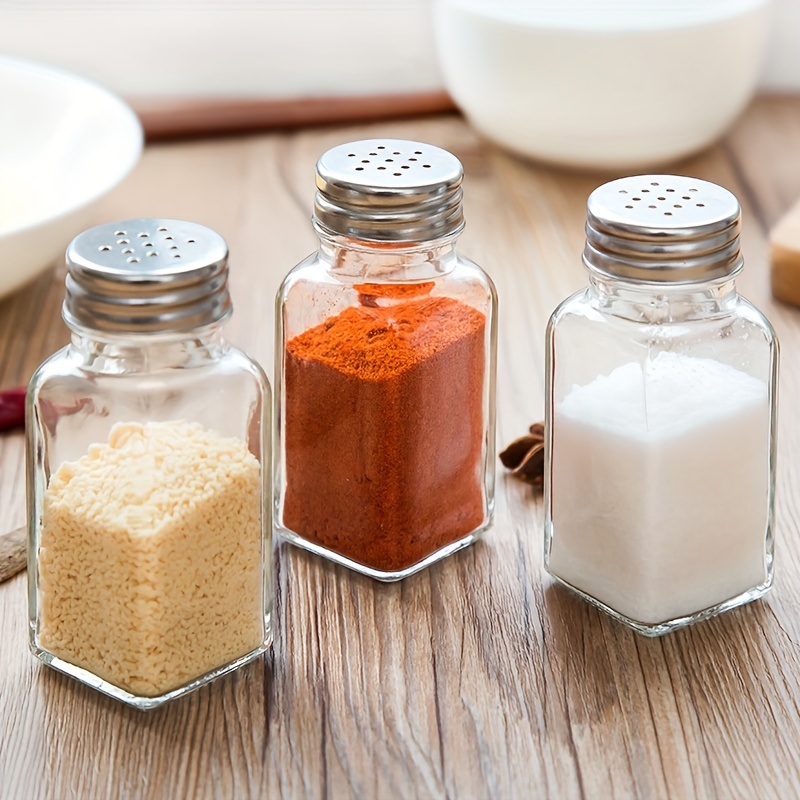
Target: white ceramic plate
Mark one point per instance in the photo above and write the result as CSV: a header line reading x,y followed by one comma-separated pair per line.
x,y
64,143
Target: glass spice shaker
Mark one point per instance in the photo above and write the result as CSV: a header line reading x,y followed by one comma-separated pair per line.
x,y
150,569
385,363
660,412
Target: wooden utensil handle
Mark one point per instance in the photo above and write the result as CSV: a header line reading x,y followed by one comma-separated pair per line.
x,y
170,117
13,552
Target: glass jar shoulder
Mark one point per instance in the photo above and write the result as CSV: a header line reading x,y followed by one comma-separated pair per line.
x,y
752,318
672,318
236,362
60,366
81,369
469,282
365,266
577,306
75,398
585,340
311,270
313,292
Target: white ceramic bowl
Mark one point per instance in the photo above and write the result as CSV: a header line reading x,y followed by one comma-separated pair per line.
x,y
64,143
601,83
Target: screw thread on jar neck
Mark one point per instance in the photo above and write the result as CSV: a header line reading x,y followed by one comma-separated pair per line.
x,y
121,354
385,261
658,303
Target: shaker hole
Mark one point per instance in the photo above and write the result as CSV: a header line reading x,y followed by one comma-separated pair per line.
x,y
127,250
152,253
381,167
149,244
662,198
397,174
381,147
623,191
677,205
389,160
418,152
173,247
670,190
176,255
373,154
686,197
396,153
359,169
119,233
142,235
701,205
412,158
168,238
104,248
365,161
405,166
667,213
427,166
692,190
123,241
628,206
645,190
161,230
190,241
637,198
654,183
351,155
651,206
133,260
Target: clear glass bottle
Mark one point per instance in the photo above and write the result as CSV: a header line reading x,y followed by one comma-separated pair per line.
x,y
148,470
385,364
660,412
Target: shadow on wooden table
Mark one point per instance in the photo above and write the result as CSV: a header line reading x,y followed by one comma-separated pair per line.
x,y
163,752
706,671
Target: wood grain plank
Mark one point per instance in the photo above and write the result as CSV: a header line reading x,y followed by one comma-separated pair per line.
x,y
479,677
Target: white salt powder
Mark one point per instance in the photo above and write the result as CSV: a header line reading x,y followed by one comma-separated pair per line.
x,y
660,486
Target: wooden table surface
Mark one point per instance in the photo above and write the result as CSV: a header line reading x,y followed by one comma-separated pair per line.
x,y
477,678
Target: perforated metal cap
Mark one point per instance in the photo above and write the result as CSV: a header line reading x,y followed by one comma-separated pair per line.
x,y
147,275
389,190
663,228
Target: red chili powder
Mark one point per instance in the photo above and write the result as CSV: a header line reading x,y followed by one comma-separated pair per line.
x,y
384,430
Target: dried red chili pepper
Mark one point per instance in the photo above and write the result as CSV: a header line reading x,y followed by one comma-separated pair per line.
x,y
12,408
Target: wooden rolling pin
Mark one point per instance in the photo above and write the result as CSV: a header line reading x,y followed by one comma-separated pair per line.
x,y
170,118
785,257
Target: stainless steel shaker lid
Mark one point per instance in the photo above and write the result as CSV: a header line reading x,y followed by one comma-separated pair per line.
x,y
388,190
663,228
147,275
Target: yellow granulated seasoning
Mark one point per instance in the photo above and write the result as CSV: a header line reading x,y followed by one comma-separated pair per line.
x,y
150,563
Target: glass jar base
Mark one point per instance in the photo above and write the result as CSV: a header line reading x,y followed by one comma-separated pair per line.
x,y
381,575
137,701
653,630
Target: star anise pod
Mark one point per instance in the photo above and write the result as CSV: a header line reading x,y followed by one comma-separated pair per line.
x,y
525,456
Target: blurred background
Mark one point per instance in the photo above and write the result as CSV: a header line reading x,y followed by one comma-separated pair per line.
x,y
272,48
593,85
